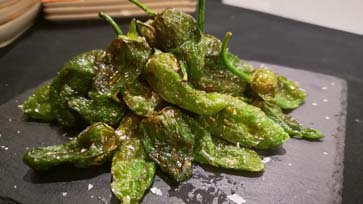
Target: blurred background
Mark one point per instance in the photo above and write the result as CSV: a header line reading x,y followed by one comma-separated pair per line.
x,y
16,16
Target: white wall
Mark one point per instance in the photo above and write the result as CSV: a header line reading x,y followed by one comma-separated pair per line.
x,y
344,15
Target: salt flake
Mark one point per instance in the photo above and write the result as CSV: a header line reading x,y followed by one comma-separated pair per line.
x,y
156,191
236,198
266,160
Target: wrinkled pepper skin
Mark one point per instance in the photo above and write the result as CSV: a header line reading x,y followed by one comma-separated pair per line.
x,y
178,32
244,124
173,28
290,125
277,89
161,72
215,76
98,110
268,85
74,80
38,106
169,141
93,146
218,153
147,31
132,173
127,57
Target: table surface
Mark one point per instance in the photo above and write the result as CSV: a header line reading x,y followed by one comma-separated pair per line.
x,y
41,51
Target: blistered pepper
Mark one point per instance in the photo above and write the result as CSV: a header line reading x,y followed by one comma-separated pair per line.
x,y
268,85
132,173
38,106
127,56
216,152
290,124
169,141
178,32
93,146
161,72
215,76
73,80
246,125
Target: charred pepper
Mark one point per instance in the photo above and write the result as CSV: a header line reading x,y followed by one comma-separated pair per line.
x,y
246,125
74,80
121,74
161,72
132,173
216,152
93,146
268,85
38,106
290,124
169,141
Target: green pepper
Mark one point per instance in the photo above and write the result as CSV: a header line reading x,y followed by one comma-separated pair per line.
x,y
147,31
161,72
178,32
268,85
74,80
38,106
98,110
132,173
216,152
290,124
127,56
246,125
215,77
169,141
93,146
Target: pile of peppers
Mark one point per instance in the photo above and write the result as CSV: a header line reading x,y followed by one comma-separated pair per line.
x,y
166,95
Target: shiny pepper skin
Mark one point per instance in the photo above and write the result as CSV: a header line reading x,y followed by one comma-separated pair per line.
x,y
169,141
246,125
38,106
93,146
219,153
73,80
132,172
161,72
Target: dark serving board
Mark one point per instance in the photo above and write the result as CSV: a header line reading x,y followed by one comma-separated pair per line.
x,y
300,172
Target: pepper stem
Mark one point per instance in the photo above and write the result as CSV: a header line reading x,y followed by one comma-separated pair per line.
x,y
201,14
241,74
132,29
144,7
114,25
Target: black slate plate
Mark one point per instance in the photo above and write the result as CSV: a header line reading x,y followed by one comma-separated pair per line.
x,y
299,172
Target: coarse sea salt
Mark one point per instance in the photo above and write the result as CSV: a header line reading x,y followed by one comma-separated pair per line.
x,y
156,191
266,160
236,198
